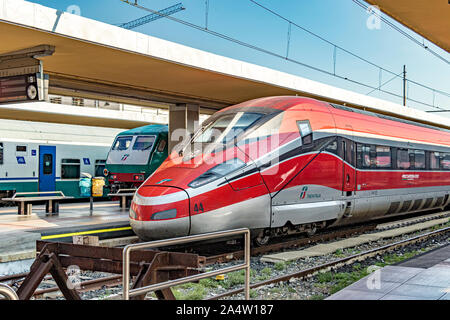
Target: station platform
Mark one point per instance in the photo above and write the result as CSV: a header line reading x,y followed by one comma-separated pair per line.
x,y
425,277
18,233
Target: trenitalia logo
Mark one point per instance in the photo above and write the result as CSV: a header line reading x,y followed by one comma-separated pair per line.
x,y
125,157
303,194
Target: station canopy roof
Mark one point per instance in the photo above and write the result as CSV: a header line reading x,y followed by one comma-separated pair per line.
x,y
429,18
92,57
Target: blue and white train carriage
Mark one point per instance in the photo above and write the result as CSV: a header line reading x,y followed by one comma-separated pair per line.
x,y
37,156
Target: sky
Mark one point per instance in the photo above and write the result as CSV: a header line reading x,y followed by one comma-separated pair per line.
x,y
341,22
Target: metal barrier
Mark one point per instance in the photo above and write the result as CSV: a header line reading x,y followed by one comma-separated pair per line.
x,y
123,194
127,293
132,190
8,292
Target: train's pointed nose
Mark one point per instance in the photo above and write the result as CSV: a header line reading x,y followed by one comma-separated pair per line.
x,y
159,212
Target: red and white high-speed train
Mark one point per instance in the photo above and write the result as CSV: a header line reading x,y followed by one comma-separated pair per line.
x,y
280,165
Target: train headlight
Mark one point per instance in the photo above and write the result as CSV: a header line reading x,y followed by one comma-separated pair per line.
x,y
163,215
138,177
217,172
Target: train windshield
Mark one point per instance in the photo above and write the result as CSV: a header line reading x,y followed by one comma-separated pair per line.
x,y
122,143
131,150
144,143
226,128
215,135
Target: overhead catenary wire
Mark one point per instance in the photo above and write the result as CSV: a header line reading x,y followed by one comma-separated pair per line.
x,y
398,29
254,47
385,83
336,46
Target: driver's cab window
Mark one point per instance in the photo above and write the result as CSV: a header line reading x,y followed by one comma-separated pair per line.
x,y
162,145
144,143
122,143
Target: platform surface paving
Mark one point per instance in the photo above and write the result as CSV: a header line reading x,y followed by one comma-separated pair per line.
x,y
18,233
405,281
70,214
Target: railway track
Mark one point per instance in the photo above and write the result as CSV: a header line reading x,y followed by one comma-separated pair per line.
x,y
326,235
340,262
94,284
114,281
294,243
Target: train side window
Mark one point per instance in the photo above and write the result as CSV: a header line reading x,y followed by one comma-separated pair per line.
x,y
161,145
348,151
419,159
393,157
1,152
332,147
70,168
305,131
99,167
363,155
411,158
403,161
445,161
373,156
383,157
435,160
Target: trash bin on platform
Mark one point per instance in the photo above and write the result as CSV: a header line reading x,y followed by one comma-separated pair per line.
x,y
97,186
85,185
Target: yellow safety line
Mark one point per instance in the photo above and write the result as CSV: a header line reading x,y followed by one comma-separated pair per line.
x,y
63,235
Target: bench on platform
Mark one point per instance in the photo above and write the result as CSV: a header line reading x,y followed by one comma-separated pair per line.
x,y
25,201
125,195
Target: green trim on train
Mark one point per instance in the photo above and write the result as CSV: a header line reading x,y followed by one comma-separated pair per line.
x,y
29,186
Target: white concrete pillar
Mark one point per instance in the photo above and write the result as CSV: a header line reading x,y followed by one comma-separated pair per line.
x,y
183,121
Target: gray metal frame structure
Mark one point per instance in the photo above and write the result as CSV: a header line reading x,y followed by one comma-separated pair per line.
x,y
127,293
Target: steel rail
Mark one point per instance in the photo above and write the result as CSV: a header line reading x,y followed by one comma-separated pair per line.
x,y
219,258
335,264
8,292
87,285
114,280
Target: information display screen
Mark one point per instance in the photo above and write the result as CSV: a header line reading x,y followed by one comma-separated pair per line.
x,y
18,88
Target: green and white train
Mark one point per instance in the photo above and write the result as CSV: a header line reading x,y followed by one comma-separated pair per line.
x,y
135,155
37,156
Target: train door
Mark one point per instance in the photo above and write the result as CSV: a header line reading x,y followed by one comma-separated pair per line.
x,y
347,153
349,173
47,166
